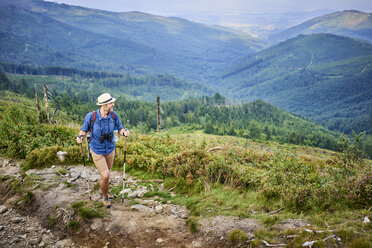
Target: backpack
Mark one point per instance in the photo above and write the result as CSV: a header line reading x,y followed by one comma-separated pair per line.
x,y
93,120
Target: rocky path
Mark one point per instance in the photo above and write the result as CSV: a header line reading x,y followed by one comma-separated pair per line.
x,y
40,214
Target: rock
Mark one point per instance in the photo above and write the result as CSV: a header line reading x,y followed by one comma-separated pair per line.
x,y
69,243
133,194
42,244
64,243
159,209
159,240
141,194
74,177
96,224
141,208
184,216
61,155
366,220
16,240
33,241
16,219
1,228
3,209
196,244
46,239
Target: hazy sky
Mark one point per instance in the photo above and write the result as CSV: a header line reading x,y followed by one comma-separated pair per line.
x,y
174,7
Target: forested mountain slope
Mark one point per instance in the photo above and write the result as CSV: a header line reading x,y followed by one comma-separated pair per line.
x,y
121,41
322,76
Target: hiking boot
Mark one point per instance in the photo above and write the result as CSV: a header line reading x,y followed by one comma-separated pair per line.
x,y
110,196
106,202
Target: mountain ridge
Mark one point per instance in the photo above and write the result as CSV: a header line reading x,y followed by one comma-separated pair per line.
x,y
171,45
351,23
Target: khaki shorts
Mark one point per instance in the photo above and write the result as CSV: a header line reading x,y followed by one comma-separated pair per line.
x,y
103,162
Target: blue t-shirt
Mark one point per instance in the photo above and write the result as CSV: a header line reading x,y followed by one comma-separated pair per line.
x,y
107,125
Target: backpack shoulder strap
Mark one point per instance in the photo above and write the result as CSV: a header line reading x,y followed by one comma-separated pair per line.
x,y
113,115
93,119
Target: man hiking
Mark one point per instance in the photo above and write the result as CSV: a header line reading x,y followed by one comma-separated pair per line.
x,y
101,124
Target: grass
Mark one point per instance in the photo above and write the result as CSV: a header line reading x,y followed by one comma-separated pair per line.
x,y
89,210
192,223
61,171
51,221
73,225
220,200
68,184
237,237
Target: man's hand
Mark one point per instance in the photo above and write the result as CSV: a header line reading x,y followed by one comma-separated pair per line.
x,y
79,139
124,132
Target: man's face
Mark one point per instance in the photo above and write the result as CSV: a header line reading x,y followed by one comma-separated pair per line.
x,y
109,106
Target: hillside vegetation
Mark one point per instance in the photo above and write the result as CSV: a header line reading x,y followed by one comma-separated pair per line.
x,y
257,120
241,178
145,88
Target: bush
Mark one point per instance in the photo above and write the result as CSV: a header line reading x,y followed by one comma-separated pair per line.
x,y
192,223
73,225
88,212
300,186
360,190
41,157
237,236
74,155
21,133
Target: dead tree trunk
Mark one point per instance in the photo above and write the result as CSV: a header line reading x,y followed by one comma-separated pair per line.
x,y
46,102
37,103
158,111
54,114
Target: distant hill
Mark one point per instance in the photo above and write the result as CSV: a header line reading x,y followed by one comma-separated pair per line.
x,y
118,41
350,23
322,76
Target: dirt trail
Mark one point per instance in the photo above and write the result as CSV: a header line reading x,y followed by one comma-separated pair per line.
x,y
42,222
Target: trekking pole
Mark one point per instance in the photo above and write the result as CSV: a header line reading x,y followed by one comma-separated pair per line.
x,y
85,170
125,155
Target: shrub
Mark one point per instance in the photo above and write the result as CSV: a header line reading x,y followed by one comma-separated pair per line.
x,y
192,223
42,157
74,155
21,133
237,236
360,190
73,225
87,212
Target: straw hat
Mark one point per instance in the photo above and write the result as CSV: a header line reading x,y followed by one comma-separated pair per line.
x,y
105,99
